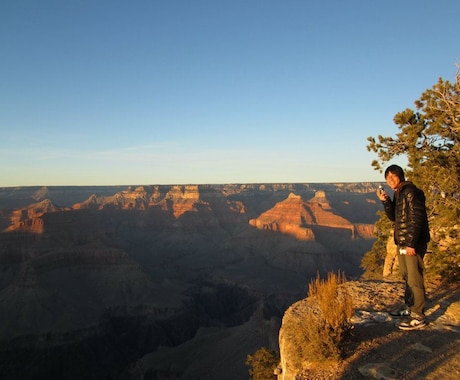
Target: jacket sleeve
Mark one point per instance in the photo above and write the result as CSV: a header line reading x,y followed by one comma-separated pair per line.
x,y
389,207
415,207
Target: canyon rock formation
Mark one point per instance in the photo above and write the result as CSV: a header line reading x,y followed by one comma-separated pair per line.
x,y
296,217
129,281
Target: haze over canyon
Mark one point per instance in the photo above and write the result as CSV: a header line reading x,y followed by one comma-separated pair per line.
x,y
174,282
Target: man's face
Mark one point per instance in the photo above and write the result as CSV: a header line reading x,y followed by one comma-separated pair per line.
x,y
393,180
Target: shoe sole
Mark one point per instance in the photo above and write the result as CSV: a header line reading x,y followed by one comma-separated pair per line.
x,y
408,328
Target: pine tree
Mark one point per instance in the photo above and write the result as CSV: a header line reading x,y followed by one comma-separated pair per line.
x,y
429,137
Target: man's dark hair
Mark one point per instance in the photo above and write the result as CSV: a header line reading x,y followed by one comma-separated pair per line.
x,y
396,170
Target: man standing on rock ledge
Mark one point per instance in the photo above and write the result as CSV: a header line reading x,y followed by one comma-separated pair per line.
x,y
407,211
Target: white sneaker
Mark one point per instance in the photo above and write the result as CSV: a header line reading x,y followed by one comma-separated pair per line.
x,y
400,313
413,324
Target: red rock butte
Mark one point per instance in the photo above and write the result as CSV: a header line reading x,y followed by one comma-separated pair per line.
x,y
296,217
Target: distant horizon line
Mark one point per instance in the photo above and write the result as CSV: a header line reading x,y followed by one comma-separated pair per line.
x,y
196,184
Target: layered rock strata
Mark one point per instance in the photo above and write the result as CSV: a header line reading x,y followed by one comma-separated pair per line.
x,y
296,217
95,278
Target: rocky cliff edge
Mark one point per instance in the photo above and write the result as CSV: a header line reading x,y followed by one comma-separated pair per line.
x,y
378,349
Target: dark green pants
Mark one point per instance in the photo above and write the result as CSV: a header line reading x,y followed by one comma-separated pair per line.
x,y
411,269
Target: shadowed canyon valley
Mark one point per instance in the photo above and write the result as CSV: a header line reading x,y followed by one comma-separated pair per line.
x,y
165,282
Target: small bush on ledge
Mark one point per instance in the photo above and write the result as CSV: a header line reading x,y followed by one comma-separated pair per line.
x,y
328,324
321,329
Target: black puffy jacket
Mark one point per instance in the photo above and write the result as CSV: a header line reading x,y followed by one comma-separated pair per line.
x,y
408,212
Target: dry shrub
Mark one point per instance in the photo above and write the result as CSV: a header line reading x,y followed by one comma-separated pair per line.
x,y
327,325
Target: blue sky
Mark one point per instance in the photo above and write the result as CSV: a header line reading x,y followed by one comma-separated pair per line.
x,y
220,91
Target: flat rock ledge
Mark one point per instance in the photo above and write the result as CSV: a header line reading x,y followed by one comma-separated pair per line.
x,y
381,350
374,300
